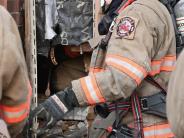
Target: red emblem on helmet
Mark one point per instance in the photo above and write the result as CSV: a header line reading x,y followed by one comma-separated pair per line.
x,y
125,27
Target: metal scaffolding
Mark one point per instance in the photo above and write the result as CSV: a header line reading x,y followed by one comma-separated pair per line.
x,y
31,50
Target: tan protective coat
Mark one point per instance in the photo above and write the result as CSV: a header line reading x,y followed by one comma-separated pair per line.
x,y
175,98
15,91
121,70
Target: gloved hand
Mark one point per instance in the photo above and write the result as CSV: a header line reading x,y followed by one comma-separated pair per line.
x,y
54,108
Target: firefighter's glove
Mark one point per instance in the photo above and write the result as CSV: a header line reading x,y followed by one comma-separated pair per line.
x,y
54,109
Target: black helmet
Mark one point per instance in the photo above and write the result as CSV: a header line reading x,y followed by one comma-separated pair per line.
x,y
109,8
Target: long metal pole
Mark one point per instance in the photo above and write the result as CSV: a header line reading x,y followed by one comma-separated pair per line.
x,y
31,50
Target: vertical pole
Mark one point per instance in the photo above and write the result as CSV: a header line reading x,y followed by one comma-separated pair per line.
x,y
93,18
31,51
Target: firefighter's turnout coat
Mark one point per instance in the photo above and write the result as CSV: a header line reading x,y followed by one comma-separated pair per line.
x,y
15,90
175,102
142,43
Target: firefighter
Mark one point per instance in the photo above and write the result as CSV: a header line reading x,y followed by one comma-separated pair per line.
x,y
175,87
175,98
142,45
15,89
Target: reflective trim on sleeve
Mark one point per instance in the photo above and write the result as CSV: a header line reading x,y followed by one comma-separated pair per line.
x,y
155,67
158,131
91,90
14,117
59,103
129,67
168,64
15,114
165,64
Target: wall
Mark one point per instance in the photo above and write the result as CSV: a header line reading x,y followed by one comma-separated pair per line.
x,y
15,7
4,3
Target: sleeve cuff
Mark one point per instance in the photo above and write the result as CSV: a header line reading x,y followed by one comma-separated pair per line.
x,y
76,87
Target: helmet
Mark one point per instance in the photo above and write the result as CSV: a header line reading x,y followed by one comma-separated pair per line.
x,y
109,8
105,5
179,12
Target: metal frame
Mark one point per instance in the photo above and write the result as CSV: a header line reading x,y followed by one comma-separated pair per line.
x,y
31,51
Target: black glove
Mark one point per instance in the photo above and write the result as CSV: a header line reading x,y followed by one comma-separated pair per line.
x,y
54,108
102,110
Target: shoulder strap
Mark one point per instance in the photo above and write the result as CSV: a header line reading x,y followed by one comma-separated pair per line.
x,y
104,42
138,121
152,81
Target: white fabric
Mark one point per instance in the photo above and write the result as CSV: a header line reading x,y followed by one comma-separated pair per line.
x,y
126,65
51,18
91,89
59,103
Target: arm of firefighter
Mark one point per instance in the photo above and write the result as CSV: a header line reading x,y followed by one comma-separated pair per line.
x,y
15,90
175,98
128,60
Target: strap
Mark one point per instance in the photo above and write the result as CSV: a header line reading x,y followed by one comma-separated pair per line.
x,y
152,81
123,131
104,42
138,122
121,105
154,104
124,4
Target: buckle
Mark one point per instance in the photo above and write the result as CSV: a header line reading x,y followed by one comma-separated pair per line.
x,y
144,103
113,24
